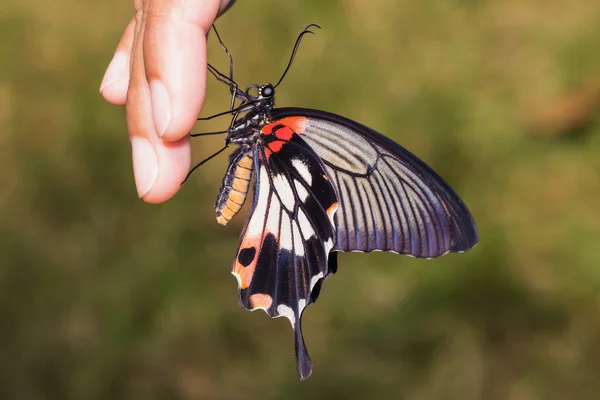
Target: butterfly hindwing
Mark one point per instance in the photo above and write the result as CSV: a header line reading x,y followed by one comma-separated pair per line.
x,y
388,198
284,250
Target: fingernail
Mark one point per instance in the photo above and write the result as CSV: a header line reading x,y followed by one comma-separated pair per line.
x,y
145,165
117,70
161,107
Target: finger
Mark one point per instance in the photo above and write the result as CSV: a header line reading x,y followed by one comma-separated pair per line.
x,y
159,167
175,62
116,78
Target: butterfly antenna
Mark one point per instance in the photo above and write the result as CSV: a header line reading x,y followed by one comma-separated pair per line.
x,y
228,80
296,46
228,56
204,161
221,77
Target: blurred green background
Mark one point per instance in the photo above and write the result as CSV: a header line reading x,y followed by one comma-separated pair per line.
x,y
105,297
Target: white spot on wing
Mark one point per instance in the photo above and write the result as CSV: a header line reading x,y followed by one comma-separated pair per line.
x,y
287,312
255,226
314,280
273,219
305,226
302,170
285,234
302,193
298,242
237,276
284,190
301,305
328,245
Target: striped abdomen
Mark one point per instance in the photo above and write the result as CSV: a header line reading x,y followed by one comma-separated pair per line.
x,y
235,185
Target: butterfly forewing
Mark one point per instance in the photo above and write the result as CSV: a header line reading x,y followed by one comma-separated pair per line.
x,y
284,249
388,198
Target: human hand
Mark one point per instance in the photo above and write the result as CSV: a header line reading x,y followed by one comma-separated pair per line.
x,y
159,73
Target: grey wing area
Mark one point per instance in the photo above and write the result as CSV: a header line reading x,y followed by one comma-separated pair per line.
x,y
388,199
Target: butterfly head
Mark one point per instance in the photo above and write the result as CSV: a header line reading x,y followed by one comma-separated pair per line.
x,y
260,93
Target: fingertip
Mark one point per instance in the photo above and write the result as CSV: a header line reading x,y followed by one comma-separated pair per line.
x,y
173,163
145,165
116,93
115,82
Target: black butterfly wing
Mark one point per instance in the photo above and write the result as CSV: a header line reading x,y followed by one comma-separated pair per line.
x,y
388,198
284,252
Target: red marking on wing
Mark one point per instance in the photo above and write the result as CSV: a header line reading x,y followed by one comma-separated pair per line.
x,y
284,133
276,145
267,129
273,147
295,124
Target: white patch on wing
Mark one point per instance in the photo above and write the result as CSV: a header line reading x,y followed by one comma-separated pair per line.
x,y
255,226
274,215
298,242
287,312
285,234
302,193
301,305
284,190
302,170
305,226
237,276
315,279
328,245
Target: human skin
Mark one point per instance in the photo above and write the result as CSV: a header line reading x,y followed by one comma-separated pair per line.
x,y
158,72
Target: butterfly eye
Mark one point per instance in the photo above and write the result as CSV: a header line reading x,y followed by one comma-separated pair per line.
x,y
267,90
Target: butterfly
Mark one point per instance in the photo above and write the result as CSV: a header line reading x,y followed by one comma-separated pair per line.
x,y
322,184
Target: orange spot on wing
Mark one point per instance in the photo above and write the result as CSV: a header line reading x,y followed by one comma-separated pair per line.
x,y
261,300
245,274
332,209
297,124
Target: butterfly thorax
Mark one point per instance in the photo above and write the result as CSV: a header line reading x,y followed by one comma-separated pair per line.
x,y
245,132
245,129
